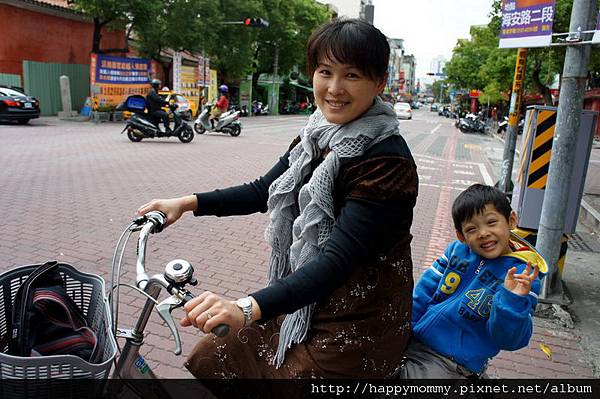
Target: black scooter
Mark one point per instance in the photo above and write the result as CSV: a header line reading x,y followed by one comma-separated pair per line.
x,y
141,125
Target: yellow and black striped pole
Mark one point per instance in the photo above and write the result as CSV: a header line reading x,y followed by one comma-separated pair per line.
x,y
516,101
542,150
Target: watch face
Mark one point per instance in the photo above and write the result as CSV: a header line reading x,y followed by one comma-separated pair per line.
x,y
244,302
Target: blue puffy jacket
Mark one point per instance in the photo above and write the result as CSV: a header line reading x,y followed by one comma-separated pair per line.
x,y
462,310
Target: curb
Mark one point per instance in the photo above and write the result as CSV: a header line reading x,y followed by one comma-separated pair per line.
x,y
589,216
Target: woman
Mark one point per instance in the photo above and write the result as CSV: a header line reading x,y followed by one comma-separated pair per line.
x,y
339,292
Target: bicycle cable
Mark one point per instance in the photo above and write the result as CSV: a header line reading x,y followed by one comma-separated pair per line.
x,y
112,277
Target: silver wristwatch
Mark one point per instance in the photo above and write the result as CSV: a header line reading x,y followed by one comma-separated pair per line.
x,y
246,305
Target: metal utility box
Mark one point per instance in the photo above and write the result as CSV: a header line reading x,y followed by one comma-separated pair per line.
x,y
538,135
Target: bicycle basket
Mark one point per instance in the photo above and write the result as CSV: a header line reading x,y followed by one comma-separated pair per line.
x,y
87,291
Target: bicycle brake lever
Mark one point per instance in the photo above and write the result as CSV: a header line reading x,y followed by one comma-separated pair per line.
x,y
173,302
164,310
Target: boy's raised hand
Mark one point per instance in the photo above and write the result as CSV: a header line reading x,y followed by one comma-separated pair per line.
x,y
520,284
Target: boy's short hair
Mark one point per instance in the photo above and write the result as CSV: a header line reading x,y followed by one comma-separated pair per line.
x,y
349,41
474,199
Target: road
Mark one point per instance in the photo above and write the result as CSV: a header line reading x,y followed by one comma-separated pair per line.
x,y
69,189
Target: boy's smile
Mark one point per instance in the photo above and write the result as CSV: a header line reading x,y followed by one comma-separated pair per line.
x,y
488,233
343,92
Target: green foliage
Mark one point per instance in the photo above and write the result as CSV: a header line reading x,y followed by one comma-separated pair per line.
x,y
197,26
440,89
493,93
479,63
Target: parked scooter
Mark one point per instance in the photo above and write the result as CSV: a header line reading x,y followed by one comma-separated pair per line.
x,y
471,123
258,108
228,123
502,126
142,125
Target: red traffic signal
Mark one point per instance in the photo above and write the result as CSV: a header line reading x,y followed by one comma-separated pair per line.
x,y
256,22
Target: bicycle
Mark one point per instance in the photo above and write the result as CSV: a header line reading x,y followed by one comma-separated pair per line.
x,y
177,275
102,315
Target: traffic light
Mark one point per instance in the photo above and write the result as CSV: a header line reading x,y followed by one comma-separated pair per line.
x,y
256,22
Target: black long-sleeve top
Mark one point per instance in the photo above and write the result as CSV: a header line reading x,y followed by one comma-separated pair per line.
x,y
154,102
363,228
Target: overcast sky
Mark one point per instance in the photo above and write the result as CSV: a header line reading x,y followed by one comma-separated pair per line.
x,y
429,27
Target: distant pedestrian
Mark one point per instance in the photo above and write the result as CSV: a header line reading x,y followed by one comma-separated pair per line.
x,y
479,297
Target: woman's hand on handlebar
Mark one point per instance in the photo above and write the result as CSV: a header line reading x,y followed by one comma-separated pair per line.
x,y
208,310
173,208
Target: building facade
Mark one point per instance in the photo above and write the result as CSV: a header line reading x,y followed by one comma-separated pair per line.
x,y
362,9
49,32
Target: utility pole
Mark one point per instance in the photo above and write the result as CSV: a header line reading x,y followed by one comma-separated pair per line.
x,y
274,103
564,146
513,122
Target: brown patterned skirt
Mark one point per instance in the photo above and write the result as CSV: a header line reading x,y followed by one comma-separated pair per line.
x,y
360,331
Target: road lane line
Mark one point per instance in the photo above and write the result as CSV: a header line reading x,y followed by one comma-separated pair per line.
x,y
435,128
486,176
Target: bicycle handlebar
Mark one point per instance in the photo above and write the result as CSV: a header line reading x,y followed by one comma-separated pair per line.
x,y
177,274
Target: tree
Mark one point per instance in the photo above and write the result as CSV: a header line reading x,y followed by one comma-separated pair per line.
x,y
479,63
439,89
292,23
544,63
197,26
104,13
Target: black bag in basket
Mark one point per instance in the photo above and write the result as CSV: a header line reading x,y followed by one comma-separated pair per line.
x,y
46,321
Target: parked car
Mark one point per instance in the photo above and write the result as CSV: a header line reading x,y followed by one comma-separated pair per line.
x,y
403,110
15,105
434,107
187,109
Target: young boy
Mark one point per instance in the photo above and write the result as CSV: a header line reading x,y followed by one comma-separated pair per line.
x,y
477,298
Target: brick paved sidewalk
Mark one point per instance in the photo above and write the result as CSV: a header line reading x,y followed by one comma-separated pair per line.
x,y
69,189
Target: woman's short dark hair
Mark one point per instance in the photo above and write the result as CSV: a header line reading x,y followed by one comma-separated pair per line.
x,y
474,199
349,41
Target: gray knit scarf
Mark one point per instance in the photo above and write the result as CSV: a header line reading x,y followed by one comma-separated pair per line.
x,y
295,237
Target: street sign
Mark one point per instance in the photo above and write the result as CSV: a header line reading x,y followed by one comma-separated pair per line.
x,y
526,23
596,38
113,78
177,71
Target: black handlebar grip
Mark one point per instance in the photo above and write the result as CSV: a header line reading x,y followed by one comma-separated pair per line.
x,y
221,330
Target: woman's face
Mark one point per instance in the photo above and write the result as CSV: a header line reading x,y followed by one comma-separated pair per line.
x,y
343,92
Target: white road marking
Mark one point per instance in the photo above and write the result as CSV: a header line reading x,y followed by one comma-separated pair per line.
x,y
435,129
464,182
440,186
464,172
486,176
463,166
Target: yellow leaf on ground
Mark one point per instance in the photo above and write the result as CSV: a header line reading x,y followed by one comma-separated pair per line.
x,y
546,349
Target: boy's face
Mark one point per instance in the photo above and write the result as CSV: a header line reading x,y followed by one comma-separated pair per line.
x,y
487,233
343,92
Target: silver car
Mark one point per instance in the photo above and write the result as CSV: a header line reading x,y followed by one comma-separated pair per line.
x,y
403,110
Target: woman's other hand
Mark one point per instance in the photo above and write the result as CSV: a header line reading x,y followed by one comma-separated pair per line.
x,y
208,310
173,208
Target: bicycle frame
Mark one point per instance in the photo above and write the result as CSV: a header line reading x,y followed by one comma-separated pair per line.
x,y
178,273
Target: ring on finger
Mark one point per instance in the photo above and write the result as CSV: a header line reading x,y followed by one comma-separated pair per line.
x,y
208,315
